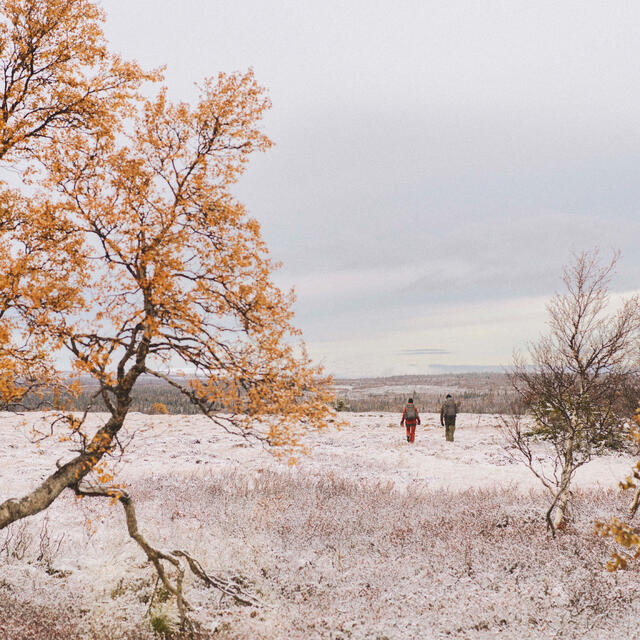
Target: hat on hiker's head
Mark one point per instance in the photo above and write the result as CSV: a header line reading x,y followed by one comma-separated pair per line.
x,y
410,399
448,395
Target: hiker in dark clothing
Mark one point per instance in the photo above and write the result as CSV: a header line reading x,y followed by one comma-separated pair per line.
x,y
410,418
448,414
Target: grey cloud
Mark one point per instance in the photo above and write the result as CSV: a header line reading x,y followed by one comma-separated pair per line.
x,y
422,352
475,144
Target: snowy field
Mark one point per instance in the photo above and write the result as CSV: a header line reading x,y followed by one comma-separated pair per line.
x,y
368,537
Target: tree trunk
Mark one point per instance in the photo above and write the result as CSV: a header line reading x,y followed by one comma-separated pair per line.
x,y
562,498
73,472
66,476
561,510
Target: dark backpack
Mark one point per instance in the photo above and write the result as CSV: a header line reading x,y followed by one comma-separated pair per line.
x,y
450,408
410,412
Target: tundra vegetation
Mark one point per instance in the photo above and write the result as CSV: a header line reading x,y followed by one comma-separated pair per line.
x,y
123,252
331,557
580,381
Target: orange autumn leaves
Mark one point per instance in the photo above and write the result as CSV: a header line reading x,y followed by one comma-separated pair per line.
x,y
58,77
58,74
627,536
128,251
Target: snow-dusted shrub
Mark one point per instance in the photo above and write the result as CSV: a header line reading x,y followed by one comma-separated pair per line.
x,y
332,557
31,540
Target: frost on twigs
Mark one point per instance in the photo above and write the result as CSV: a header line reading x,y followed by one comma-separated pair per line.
x,y
334,556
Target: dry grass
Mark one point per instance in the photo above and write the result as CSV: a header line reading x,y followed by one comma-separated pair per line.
x,y
334,558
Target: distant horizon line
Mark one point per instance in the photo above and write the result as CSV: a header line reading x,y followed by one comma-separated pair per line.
x,y
431,370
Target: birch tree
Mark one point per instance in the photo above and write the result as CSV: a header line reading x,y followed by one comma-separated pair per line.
x,y
579,384
128,255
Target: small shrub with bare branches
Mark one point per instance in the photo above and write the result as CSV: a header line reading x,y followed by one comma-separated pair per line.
x,y
580,382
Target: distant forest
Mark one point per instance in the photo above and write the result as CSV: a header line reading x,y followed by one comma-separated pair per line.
x,y
474,392
150,395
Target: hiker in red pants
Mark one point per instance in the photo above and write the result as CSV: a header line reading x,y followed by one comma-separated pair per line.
x,y
410,418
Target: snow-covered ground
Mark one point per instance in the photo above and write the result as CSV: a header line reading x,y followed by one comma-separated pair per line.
x,y
371,447
368,537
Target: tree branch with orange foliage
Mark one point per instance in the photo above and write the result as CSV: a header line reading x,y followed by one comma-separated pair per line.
x,y
128,255
57,77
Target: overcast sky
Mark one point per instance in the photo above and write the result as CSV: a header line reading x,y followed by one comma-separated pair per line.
x,y
436,163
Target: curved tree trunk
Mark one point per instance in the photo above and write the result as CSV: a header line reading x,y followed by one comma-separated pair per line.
x,y
70,474
66,476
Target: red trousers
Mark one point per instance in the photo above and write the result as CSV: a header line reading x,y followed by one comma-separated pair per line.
x,y
411,432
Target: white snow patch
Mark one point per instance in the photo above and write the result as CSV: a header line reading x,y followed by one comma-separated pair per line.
x,y
372,446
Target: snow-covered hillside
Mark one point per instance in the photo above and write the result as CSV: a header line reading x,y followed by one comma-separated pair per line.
x,y
368,537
